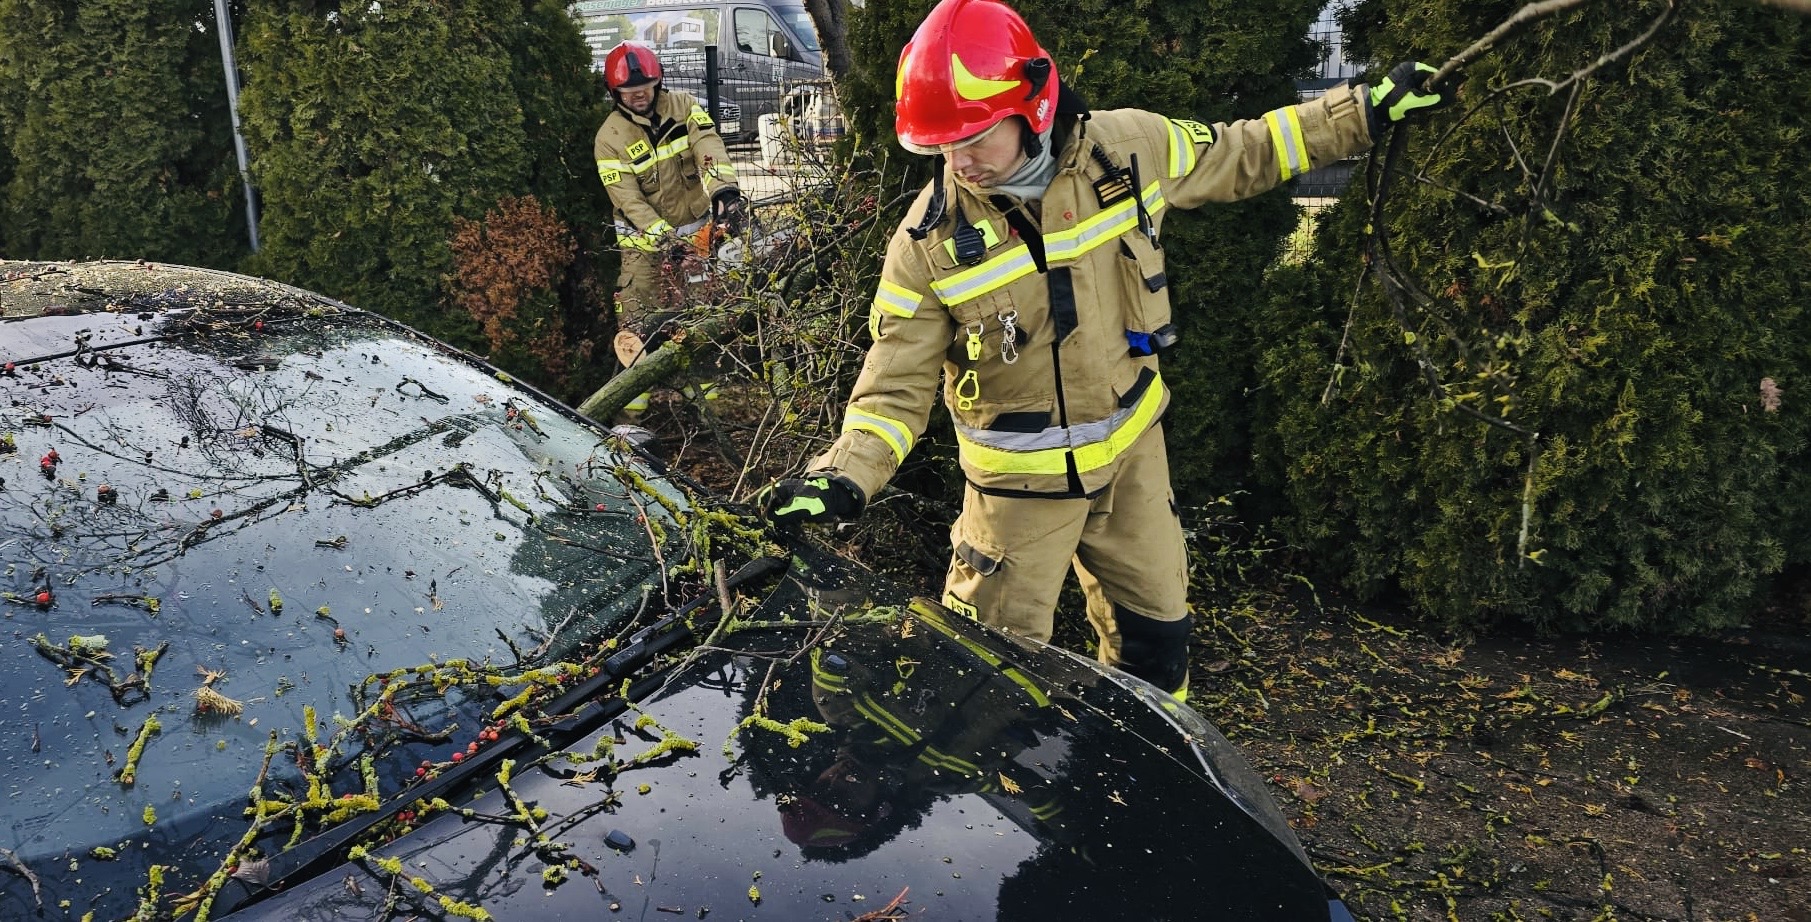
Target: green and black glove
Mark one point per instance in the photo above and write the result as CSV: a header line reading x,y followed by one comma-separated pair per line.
x,y
728,209
793,501
1400,96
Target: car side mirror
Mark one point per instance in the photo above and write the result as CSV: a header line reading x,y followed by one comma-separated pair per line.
x,y
779,46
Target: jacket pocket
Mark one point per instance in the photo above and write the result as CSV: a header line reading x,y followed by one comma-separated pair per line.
x,y
973,548
1147,289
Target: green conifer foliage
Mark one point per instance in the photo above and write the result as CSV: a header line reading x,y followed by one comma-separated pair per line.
x,y
117,138
372,127
563,102
1639,304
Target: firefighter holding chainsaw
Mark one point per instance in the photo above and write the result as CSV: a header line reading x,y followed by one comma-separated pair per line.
x,y
669,177
1029,273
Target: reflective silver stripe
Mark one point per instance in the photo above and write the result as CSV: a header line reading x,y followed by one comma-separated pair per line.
x,y
895,433
1182,151
999,271
897,299
1153,199
612,165
1074,436
1097,229
1062,246
687,229
664,152
1286,134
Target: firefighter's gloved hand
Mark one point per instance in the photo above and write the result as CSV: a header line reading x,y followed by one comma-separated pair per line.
x,y
793,501
728,209
1400,96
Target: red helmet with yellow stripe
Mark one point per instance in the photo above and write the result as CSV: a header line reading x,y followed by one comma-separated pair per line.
x,y
971,64
630,64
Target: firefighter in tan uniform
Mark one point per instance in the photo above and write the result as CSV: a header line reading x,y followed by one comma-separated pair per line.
x,y
1030,275
668,174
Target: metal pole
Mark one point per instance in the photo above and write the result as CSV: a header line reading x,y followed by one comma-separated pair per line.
x,y
223,22
711,81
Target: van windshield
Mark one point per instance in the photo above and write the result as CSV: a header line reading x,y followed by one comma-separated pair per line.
x,y
799,22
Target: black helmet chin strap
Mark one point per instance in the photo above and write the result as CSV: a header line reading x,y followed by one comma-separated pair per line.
x,y
933,212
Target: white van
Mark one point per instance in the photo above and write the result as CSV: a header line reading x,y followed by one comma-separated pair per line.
x,y
765,48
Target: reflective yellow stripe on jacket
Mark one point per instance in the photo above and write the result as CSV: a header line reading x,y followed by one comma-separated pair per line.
x,y
1291,146
1095,444
1064,246
896,434
648,240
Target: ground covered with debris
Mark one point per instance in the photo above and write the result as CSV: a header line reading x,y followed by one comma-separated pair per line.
x,y
1504,778
1519,778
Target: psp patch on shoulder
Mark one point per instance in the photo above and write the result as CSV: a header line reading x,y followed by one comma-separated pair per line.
x,y
702,120
639,149
1200,133
611,177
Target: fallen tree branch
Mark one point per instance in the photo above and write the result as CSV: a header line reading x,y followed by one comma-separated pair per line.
x,y
656,367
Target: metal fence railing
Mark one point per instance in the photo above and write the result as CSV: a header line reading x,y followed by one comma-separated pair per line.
x,y
776,127
1335,69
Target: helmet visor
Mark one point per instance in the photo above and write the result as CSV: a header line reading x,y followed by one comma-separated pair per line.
x,y
956,145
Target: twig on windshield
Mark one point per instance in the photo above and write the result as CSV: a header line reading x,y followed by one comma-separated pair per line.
x,y
536,654
511,644
647,525
18,867
722,589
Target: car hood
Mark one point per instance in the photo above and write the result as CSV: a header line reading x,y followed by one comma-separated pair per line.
x,y
891,758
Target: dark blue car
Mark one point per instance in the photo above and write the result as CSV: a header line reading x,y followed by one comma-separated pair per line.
x,y
314,617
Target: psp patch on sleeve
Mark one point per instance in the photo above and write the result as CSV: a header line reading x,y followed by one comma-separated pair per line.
x,y
1198,132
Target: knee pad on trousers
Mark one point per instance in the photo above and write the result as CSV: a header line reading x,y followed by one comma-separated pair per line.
x,y
1153,650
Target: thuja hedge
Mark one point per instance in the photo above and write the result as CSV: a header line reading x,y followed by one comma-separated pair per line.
x,y
113,119
1642,315
378,129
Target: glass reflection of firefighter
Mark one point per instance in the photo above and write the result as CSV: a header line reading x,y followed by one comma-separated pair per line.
x,y
916,719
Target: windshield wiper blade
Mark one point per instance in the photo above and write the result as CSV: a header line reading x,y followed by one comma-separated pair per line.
x,y
586,711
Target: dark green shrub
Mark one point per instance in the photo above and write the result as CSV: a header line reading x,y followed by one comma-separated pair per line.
x,y
1640,313
376,130
117,135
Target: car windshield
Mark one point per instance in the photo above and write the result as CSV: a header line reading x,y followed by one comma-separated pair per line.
x,y
230,531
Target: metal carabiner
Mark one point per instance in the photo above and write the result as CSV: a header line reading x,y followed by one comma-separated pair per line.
x,y
1009,336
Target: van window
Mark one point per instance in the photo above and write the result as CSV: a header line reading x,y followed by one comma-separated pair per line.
x,y
659,29
795,17
758,33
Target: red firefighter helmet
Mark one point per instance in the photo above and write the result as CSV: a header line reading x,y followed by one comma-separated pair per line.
x,y
971,64
630,64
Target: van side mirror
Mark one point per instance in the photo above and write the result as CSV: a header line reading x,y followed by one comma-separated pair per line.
x,y
779,45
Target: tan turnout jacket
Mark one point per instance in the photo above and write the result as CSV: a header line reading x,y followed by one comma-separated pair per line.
x,y
662,170
1038,371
